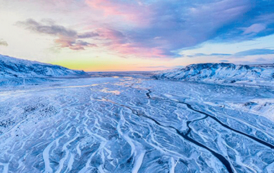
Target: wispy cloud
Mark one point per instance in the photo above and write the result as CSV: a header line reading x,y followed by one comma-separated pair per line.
x,y
65,37
73,43
3,43
264,60
49,28
255,28
88,35
224,61
212,54
255,52
240,54
130,11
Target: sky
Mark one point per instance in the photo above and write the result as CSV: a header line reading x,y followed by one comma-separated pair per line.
x,y
137,35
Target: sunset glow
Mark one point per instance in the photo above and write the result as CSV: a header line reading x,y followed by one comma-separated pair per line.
x,y
118,35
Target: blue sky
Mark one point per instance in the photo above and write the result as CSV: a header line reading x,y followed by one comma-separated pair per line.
x,y
139,34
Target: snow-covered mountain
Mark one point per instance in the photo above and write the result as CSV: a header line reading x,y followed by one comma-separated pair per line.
x,y
14,68
222,73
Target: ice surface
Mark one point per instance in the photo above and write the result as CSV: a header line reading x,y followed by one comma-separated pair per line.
x,y
135,124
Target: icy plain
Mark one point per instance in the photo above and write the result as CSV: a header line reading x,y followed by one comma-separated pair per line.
x,y
135,124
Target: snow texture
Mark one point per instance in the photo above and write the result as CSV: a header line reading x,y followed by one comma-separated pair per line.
x,y
13,68
133,123
224,73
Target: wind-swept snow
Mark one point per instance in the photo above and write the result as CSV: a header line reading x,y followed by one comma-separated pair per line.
x,y
122,122
134,124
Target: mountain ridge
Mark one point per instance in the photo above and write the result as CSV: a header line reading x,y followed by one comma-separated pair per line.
x,y
262,74
11,67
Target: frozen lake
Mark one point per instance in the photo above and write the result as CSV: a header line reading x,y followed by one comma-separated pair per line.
x,y
119,122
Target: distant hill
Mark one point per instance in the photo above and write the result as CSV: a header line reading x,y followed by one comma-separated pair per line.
x,y
262,74
17,68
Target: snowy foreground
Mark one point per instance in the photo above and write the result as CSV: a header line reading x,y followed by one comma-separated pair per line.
x,y
135,124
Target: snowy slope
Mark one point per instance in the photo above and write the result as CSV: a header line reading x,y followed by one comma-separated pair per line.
x,y
222,73
14,68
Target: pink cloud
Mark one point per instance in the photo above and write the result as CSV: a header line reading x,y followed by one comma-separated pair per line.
x,y
112,35
118,42
141,52
255,28
132,12
72,43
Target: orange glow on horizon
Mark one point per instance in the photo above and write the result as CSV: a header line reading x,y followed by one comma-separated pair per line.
x,y
115,67
125,64
95,67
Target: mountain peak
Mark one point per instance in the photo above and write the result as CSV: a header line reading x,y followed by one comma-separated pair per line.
x,y
222,73
14,67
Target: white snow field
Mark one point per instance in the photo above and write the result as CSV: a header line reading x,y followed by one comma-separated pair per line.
x,y
53,119
133,123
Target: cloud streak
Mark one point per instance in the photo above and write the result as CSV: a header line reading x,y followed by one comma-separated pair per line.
x,y
212,54
66,38
240,54
3,43
255,52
